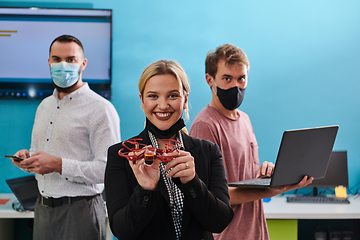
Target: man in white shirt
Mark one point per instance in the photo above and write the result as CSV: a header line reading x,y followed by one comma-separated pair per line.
x,y
72,131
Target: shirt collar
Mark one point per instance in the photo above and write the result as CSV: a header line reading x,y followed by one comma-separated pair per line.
x,y
73,94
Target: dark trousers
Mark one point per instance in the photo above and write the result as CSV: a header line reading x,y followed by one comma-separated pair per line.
x,y
84,219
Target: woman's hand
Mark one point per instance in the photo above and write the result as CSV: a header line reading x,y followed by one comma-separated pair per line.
x,y
183,166
146,175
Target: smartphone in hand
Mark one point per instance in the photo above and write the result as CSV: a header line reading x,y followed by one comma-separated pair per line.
x,y
15,158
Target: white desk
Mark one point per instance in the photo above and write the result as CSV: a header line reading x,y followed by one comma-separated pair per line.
x,y
8,214
278,208
283,217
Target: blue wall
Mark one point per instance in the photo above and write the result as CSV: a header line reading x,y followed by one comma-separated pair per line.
x,y
304,58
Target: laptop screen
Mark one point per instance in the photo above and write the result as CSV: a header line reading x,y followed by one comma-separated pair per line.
x,y
25,189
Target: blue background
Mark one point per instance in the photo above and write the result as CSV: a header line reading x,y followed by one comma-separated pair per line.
x,y
304,58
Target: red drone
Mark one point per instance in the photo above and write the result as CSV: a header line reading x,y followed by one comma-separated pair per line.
x,y
149,153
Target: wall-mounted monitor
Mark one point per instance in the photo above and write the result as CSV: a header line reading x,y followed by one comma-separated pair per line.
x,y
25,37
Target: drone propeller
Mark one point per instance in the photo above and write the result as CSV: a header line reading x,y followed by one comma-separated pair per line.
x,y
149,153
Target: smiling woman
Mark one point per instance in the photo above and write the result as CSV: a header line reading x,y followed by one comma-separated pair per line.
x,y
163,100
182,199
171,68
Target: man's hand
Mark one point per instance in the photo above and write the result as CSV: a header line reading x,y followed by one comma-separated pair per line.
x,y
24,154
41,163
303,183
266,170
240,195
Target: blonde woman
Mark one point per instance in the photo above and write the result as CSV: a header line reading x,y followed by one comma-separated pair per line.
x,y
186,198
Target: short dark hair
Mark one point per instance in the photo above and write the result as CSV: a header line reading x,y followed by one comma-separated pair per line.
x,y
231,54
67,38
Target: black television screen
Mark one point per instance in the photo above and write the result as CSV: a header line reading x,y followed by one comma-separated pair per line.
x,y
336,173
25,37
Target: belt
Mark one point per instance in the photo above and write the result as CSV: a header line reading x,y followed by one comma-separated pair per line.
x,y
56,202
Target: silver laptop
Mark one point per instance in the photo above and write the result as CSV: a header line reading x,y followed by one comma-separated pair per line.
x,y
26,191
302,152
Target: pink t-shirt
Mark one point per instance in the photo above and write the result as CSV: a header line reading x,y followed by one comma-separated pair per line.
x,y
239,148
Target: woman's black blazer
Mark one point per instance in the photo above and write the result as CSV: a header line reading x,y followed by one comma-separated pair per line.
x,y
136,213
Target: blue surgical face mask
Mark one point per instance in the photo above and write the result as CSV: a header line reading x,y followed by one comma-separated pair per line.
x,y
65,74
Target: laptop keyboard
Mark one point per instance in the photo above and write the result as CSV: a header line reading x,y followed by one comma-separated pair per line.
x,y
316,199
259,181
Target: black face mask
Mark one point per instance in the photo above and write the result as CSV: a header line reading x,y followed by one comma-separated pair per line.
x,y
165,134
231,98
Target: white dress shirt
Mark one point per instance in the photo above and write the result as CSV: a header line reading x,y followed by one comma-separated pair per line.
x,y
79,129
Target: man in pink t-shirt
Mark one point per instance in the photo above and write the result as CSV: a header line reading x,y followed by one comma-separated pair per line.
x,y
222,123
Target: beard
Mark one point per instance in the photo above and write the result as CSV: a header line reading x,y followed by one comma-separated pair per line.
x,y
67,89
